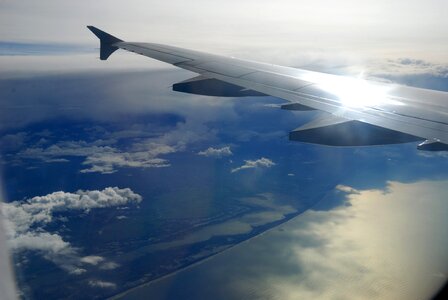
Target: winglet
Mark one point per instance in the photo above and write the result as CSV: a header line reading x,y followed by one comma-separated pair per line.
x,y
107,42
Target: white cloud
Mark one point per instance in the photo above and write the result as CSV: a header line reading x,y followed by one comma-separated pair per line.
x,y
92,259
272,105
109,266
369,241
105,156
25,223
409,66
99,261
259,163
433,154
107,163
78,271
102,284
41,241
346,189
216,152
102,159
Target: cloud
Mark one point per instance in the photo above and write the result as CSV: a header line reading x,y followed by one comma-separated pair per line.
x,y
410,61
99,261
78,271
369,241
433,154
102,284
25,223
108,162
13,49
346,189
272,105
109,266
64,149
251,164
216,152
92,260
49,244
102,159
12,142
406,66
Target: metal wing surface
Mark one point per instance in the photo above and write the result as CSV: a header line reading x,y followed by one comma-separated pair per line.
x,y
357,112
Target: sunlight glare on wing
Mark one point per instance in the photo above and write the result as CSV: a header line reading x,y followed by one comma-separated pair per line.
x,y
354,92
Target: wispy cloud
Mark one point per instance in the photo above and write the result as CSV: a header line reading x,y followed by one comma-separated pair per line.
x,y
106,159
108,162
433,154
102,284
26,222
12,142
252,164
14,48
409,66
216,152
109,265
102,159
92,259
346,189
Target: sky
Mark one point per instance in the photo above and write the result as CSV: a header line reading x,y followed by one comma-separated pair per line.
x,y
285,32
55,21
50,71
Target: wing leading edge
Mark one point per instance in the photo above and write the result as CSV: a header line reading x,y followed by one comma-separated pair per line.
x,y
356,112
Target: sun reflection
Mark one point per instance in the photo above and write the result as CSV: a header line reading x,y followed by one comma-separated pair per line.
x,y
354,92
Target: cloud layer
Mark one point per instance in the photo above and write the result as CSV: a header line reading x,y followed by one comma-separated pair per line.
x,y
26,221
346,23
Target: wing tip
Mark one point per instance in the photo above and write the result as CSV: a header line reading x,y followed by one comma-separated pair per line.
x,y
107,42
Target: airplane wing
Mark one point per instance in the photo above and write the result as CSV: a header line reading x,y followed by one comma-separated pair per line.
x,y
355,112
